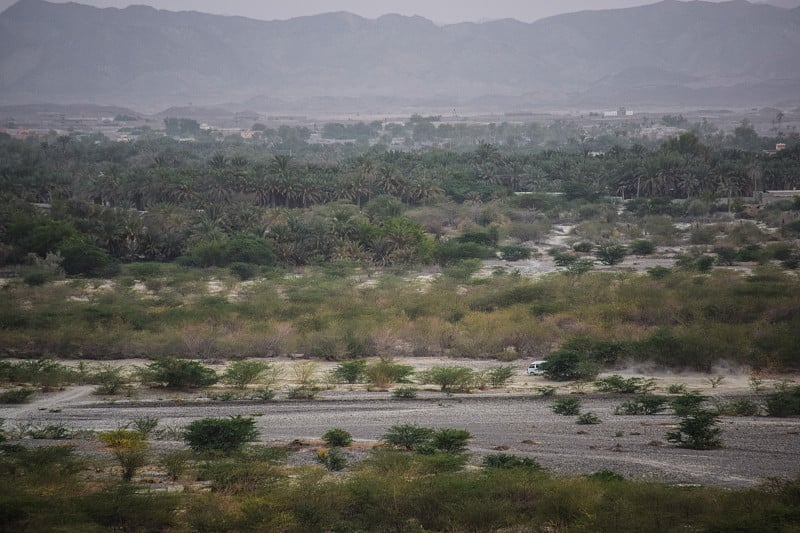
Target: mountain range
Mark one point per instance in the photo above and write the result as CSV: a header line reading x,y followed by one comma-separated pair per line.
x,y
670,53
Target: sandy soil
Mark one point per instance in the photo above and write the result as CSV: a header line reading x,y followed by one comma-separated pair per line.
x,y
515,419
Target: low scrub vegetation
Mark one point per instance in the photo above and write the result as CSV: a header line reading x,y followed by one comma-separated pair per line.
x,y
697,430
47,488
224,435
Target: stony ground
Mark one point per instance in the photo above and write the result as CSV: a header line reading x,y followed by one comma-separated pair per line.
x,y
515,419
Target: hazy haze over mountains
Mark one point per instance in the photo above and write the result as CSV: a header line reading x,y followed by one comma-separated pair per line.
x,y
670,53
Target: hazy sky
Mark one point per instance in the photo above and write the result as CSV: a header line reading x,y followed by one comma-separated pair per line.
x,y
444,11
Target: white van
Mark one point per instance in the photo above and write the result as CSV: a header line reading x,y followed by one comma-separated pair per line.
x,y
535,368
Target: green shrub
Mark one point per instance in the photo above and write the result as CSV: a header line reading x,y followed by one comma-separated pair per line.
x,y
642,247
405,393
45,373
750,253
617,383
243,373
145,425
244,271
659,272
125,507
697,431
704,263
546,391
725,255
606,476
37,277
487,238
224,435
109,380
175,373
583,247
15,396
386,372
783,403
643,405
332,459
79,258
677,388
462,270
250,249
500,375
47,432
350,371
515,253
449,378
408,436
451,252
175,463
303,392
208,253
740,407
566,406
337,438
567,364
509,461
687,403
563,259
588,419
450,440
131,460
611,254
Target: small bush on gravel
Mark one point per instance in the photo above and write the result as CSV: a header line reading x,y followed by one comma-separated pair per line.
x,y
643,405
697,431
500,375
408,436
567,364
220,434
175,373
740,407
566,406
588,419
677,388
109,380
617,383
405,393
386,372
15,396
611,254
145,425
240,374
508,461
350,371
783,403
129,449
332,459
303,392
337,438
687,403
642,247
449,378
514,253
450,440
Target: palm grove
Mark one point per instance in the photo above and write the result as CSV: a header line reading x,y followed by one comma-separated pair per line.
x,y
154,208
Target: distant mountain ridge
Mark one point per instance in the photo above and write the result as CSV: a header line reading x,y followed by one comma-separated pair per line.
x,y
731,53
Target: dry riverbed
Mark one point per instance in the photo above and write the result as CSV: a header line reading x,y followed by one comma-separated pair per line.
x,y
515,419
